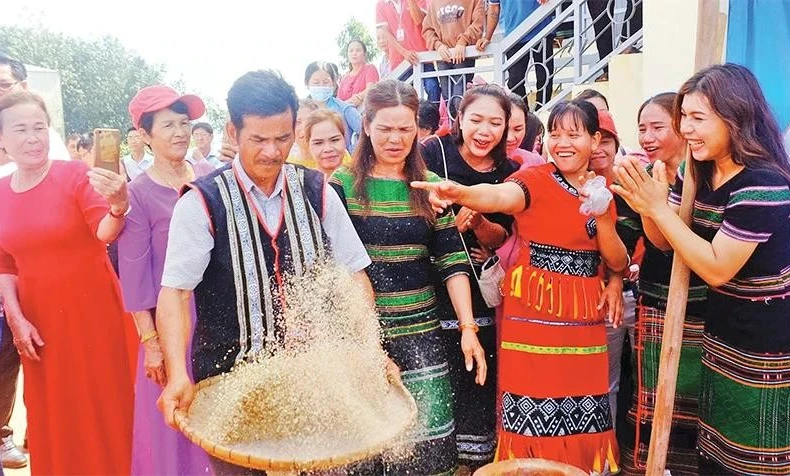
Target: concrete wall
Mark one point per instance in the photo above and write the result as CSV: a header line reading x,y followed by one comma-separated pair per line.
x,y
46,82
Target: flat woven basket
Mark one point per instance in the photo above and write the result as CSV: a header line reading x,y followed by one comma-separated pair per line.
x,y
191,429
529,467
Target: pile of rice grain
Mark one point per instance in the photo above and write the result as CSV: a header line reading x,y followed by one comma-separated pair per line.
x,y
322,393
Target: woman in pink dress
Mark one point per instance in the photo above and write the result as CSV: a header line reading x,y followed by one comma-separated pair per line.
x,y
62,299
162,116
354,84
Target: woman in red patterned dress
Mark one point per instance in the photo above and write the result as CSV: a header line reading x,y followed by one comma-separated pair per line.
x,y
553,367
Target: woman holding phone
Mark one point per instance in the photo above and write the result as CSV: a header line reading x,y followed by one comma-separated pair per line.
x,y
62,299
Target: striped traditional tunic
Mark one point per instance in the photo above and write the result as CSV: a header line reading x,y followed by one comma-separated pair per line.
x,y
407,252
745,402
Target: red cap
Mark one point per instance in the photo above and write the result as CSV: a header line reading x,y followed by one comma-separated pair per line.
x,y
606,124
156,98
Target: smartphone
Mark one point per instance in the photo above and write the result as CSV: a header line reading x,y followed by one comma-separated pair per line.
x,y
107,149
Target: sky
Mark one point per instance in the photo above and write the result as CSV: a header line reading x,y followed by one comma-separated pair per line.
x,y
209,44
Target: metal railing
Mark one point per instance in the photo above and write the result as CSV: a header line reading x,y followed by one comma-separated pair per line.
x,y
576,61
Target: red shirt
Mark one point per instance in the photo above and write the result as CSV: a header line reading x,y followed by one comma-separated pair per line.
x,y
351,85
387,16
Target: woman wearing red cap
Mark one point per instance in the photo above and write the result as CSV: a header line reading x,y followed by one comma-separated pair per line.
x,y
62,298
162,117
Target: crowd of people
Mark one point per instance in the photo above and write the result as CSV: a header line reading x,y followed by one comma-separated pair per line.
x,y
122,290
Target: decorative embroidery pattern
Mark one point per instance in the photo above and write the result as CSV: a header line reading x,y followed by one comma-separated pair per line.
x,y
564,261
592,227
480,321
561,416
247,268
564,183
306,242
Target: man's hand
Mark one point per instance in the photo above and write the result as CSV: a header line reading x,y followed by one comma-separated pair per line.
x,y
177,395
197,155
393,371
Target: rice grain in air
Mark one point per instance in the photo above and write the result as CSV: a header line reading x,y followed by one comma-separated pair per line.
x,y
322,392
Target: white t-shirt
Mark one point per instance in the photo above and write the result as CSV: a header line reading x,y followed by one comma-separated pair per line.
x,y
134,168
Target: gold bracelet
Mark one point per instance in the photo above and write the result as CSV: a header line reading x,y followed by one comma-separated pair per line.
x,y
468,325
148,336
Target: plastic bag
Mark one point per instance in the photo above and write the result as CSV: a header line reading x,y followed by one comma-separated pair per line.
x,y
598,197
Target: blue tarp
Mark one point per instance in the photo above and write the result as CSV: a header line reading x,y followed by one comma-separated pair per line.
x,y
758,37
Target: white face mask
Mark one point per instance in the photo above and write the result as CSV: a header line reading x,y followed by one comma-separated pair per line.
x,y
321,93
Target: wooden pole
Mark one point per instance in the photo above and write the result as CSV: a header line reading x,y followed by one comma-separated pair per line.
x,y
671,341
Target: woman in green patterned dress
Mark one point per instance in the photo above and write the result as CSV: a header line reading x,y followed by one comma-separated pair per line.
x,y
408,245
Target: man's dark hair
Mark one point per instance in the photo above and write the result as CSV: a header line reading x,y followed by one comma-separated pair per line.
x,y
204,126
18,70
86,141
428,116
130,129
261,93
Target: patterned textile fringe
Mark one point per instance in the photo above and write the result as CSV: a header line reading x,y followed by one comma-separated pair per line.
x,y
593,452
560,295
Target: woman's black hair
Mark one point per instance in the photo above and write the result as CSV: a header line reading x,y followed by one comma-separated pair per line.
x,y
147,119
580,113
535,129
428,116
329,68
499,153
86,141
734,94
592,93
361,43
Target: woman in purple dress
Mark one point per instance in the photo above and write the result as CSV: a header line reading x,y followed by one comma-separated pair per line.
x,y
162,116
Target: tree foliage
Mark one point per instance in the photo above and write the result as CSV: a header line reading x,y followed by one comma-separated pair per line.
x,y
98,77
355,30
216,113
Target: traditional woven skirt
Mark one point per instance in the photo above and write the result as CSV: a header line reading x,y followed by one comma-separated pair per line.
x,y
745,409
418,350
474,405
682,454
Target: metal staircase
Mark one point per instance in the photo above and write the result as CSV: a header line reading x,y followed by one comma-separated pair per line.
x,y
576,61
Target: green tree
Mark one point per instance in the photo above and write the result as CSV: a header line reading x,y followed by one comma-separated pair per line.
x,y
98,77
355,30
216,115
